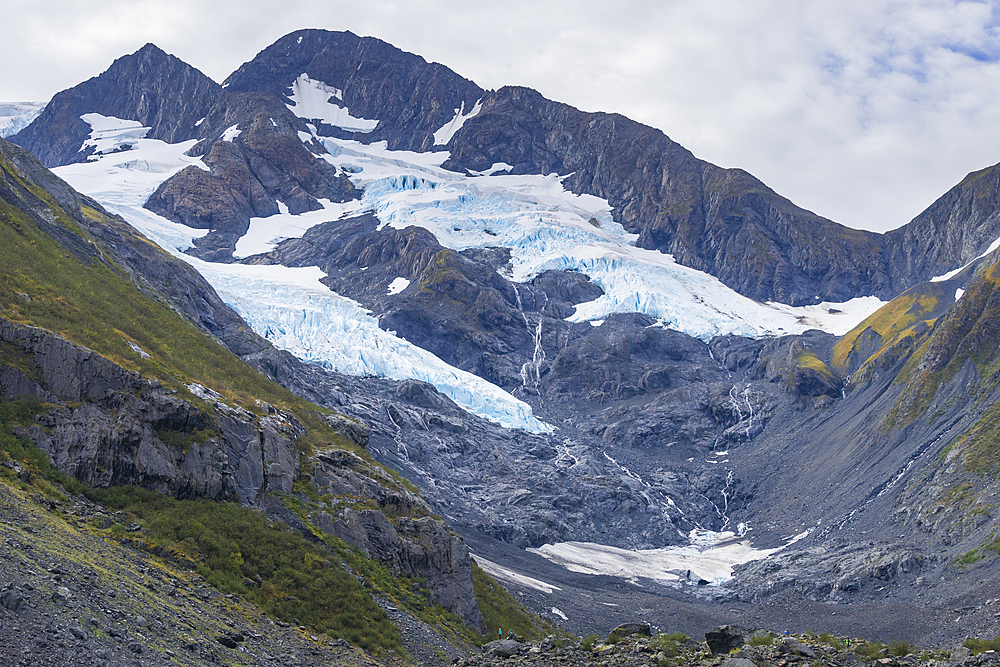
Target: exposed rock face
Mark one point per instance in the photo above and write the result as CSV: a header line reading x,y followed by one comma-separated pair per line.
x,y
724,639
410,97
264,164
422,547
108,426
953,231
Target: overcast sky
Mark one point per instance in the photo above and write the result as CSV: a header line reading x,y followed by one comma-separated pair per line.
x,y
863,111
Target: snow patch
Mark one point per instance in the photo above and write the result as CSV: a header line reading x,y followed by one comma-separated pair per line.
x,y
264,234
311,100
504,574
710,557
959,293
448,130
495,169
231,133
558,612
398,285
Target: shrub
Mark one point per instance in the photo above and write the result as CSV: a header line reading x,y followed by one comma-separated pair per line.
x,y
761,638
234,545
978,646
871,650
588,642
900,648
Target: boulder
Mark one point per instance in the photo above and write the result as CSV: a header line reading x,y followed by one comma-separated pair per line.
x,y
627,629
502,648
724,639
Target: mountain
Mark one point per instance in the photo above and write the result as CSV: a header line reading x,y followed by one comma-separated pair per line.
x,y
553,324
152,87
113,356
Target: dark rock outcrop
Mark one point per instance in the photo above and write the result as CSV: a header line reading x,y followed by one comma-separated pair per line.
x,y
107,426
410,97
724,639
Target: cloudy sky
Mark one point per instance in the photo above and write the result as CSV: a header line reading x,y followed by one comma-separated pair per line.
x,y
864,111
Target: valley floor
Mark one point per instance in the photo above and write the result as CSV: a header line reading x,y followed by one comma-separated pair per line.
x,y
600,603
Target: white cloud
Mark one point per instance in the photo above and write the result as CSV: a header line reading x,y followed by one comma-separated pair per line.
x,y
861,111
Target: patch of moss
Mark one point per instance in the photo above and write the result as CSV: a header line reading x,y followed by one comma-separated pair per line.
x,y
808,359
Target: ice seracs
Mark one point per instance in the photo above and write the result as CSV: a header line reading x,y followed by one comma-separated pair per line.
x,y
547,227
16,116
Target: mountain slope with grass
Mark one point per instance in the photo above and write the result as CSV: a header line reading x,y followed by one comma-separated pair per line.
x,y
108,381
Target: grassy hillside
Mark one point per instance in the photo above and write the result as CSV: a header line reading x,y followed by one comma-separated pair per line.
x,y
898,326
89,299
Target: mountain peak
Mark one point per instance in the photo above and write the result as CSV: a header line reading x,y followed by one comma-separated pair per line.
x,y
410,97
149,86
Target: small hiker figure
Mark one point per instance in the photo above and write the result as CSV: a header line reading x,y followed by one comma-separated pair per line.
x,y
500,633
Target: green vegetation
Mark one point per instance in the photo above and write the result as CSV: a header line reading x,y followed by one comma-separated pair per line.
x,y
968,332
761,638
902,320
238,551
871,650
978,646
901,648
501,610
38,471
668,643
588,642
95,304
807,359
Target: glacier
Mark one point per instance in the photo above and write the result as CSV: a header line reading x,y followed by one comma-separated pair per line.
x,y
545,227
288,306
15,116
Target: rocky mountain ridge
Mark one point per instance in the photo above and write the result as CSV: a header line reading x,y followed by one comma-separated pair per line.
x,y
722,221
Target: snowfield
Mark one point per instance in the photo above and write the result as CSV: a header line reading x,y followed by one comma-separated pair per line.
x,y
710,557
312,101
544,226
